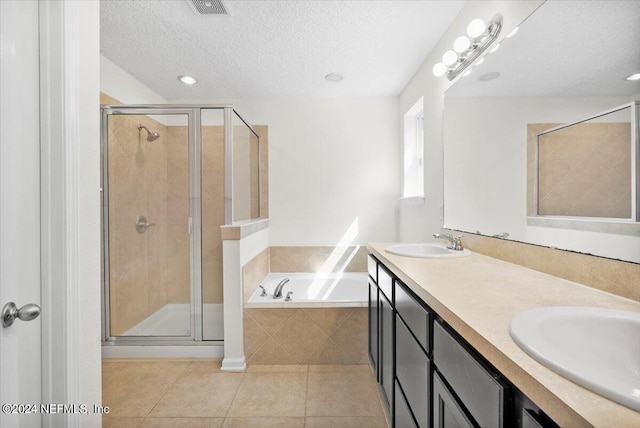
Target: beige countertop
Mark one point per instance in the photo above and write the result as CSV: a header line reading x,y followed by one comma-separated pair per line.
x,y
479,295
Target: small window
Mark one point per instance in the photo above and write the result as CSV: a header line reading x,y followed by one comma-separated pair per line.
x,y
414,151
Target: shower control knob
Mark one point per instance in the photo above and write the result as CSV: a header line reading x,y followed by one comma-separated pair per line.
x,y
26,313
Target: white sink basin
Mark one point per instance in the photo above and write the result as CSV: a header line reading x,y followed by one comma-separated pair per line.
x,y
595,347
429,251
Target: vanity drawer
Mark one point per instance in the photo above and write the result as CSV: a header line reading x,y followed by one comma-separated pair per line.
x,y
385,283
479,391
413,369
413,314
372,267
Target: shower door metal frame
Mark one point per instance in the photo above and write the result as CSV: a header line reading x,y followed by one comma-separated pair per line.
x,y
194,113
195,230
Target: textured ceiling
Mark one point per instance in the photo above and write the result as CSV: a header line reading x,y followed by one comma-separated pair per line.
x,y
274,48
565,48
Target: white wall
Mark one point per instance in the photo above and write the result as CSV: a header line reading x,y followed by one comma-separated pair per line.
x,y
418,222
119,84
334,164
333,168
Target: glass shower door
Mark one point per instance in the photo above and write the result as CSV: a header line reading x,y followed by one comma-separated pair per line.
x,y
146,187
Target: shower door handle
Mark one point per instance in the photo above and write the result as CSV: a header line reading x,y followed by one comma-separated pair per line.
x,y
142,224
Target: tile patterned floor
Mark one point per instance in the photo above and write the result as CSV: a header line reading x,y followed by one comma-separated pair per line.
x,y
195,393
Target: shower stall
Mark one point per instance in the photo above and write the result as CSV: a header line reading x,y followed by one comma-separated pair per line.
x,y
171,176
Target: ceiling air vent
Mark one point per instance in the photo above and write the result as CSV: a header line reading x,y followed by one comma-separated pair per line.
x,y
209,7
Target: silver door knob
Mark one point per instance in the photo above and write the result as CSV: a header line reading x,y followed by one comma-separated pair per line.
x,y
142,224
26,313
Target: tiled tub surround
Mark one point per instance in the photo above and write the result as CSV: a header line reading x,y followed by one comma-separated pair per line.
x,y
302,259
327,335
478,296
305,335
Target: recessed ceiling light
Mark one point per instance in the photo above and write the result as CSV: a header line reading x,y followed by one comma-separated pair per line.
x,y
334,77
633,77
187,80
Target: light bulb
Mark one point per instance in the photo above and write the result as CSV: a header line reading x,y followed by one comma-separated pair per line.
x,y
476,27
461,44
449,57
439,69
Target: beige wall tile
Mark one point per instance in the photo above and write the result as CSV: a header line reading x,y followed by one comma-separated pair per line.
x,y
316,259
299,336
254,337
271,353
328,319
254,272
609,275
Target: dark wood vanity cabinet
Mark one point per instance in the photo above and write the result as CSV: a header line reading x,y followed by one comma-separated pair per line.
x,y
381,329
428,375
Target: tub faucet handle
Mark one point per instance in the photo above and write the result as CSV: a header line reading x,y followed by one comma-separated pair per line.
x,y
264,292
288,298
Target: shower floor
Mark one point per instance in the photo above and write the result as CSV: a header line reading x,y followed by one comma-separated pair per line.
x,y
174,319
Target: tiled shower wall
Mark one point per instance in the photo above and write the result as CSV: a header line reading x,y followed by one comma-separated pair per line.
x,y
584,170
150,270
140,268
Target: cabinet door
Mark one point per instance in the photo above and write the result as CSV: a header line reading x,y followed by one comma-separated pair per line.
x,y
412,372
386,350
447,412
403,417
373,327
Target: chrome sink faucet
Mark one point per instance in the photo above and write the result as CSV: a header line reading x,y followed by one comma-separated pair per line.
x,y
455,242
277,294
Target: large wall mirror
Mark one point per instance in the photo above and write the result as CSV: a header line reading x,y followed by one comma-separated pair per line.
x,y
567,65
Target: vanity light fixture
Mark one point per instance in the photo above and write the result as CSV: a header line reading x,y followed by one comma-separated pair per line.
x,y
468,49
187,80
633,77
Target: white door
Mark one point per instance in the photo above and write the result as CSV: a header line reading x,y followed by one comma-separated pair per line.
x,y
20,344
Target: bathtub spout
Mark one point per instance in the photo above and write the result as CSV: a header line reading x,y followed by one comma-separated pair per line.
x,y
277,294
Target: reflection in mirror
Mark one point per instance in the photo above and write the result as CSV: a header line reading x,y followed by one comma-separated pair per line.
x,y
558,69
584,168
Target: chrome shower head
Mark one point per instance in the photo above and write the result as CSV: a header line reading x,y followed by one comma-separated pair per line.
x,y
151,136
